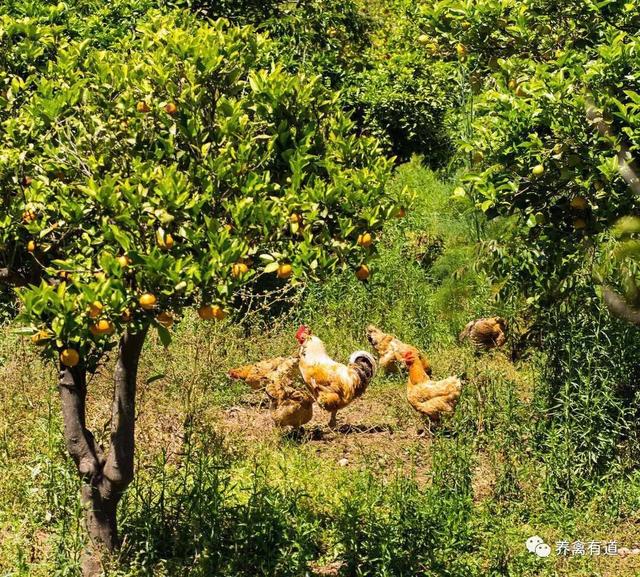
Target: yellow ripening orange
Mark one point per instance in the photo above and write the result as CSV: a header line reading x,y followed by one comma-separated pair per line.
x,y
142,107
31,246
210,312
218,313
171,108
284,270
102,327
365,240
205,312
362,273
294,218
124,261
95,309
579,203
238,269
165,240
579,224
29,216
69,358
147,301
538,170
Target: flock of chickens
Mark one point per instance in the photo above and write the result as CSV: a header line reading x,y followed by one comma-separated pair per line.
x,y
293,384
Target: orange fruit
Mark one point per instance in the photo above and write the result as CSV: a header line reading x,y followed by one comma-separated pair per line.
x,y
284,270
579,224
365,240
165,319
142,106
31,246
165,240
147,301
102,327
538,170
579,203
95,309
294,218
362,273
69,358
171,108
124,261
238,269
218,313
28,216
205,312
210,312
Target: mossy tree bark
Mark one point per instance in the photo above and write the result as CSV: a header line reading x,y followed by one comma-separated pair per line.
x,y
105,476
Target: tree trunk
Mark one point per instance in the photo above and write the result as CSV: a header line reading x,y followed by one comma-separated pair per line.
x,y
104,479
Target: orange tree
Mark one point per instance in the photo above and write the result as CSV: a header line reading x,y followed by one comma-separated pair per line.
x,y
167,170
552,109
555,127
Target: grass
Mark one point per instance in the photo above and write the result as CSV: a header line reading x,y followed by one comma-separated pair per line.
x,y
220,492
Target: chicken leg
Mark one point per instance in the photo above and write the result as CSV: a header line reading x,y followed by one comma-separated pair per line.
x,y
333,420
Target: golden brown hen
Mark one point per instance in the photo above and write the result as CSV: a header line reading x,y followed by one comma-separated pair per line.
x,y
290,406
430,398
260,374
391,350
487,333
332,384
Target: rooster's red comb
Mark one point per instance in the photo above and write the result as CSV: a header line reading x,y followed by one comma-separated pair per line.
x,y
302,330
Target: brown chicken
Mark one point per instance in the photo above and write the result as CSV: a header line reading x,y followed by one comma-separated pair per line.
x,y
391,350
290,406
260,374
430,398
332,384
486,333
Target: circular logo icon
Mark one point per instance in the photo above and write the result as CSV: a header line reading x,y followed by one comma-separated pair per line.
x,y
543,550
533,542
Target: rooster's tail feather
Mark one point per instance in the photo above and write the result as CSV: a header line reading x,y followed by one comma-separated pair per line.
x,y
366,366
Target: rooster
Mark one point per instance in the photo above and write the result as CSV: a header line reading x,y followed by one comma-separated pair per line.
x,y
430,398
486,333
332,384
391,349
290,406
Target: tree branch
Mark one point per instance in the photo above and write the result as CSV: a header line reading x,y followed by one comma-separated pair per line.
x,y
80,443
118,469
619,307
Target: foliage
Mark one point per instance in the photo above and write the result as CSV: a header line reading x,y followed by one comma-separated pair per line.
x,y
556,103
176,163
